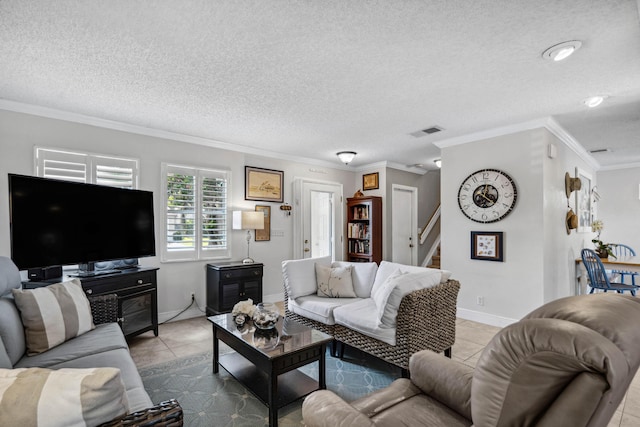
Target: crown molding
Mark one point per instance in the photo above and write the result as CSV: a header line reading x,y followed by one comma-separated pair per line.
x,y
52,113
393,165
548,123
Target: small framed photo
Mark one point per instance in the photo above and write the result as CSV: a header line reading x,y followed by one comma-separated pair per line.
x,y
264,234
487,245
584,207
370,181
263,185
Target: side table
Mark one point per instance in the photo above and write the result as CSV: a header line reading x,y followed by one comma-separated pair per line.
x,y
230,282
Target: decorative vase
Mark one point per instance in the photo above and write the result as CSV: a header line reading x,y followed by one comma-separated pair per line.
x,y
266,339
602,253
266,315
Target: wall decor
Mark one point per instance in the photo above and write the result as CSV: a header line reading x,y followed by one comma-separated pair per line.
x,y
487,195
264,234
263,184
487,245
584,208
370,181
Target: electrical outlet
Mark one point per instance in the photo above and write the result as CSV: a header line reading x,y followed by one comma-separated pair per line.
x,y
480,301
193,296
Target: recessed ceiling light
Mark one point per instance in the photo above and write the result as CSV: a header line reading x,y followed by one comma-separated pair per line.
x,y
562,51
594,101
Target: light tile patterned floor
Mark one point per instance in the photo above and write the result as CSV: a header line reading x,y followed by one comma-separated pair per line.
x,y
192,336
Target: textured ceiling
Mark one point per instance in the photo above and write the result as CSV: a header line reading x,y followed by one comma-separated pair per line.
x,y
310,78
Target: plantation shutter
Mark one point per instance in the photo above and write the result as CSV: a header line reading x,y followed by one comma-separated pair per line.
x,y
195,214
87,168
214,210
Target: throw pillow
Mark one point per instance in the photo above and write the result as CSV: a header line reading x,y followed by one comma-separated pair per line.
x,y
53,314
381,292
396,288
334,282
62,397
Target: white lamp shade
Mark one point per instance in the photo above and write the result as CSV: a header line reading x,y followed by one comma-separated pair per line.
x,y
248,220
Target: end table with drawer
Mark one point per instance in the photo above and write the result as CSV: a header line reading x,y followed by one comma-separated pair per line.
x,y
231,282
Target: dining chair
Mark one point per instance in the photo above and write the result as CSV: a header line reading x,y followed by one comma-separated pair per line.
x,y
598,278
620,250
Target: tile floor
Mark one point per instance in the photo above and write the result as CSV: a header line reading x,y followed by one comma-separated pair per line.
x,y
191,336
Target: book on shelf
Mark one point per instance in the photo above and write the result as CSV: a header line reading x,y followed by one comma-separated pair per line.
x,y
359,247
357,230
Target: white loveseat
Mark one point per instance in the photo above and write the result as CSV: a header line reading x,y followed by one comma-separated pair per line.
x,y
397,309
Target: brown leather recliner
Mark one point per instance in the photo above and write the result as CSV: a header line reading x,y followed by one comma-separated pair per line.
x,y
567,363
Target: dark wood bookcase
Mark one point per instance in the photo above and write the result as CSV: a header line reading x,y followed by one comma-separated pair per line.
x,y
364,229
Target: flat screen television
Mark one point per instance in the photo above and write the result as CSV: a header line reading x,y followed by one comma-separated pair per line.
x,y
57,223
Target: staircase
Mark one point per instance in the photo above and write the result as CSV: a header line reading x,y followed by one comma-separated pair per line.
x,y
431,232
435,259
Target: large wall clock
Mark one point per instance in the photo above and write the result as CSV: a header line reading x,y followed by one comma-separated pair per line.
x,y
487,195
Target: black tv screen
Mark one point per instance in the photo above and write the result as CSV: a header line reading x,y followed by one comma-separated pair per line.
x,y
57,222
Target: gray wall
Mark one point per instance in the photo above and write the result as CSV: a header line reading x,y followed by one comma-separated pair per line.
x,y
20,133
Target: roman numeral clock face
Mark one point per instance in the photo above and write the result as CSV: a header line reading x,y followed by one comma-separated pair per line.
x,y
487,195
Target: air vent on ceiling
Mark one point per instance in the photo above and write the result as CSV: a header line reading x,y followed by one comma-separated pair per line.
x,y
427,131
600,150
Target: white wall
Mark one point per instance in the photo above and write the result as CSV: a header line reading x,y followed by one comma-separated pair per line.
x,y
428,188
538,253
619,206
19,133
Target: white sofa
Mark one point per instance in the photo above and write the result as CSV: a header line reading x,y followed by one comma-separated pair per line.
x,y
390,317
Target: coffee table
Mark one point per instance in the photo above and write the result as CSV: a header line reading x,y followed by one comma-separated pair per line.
x,y
271,374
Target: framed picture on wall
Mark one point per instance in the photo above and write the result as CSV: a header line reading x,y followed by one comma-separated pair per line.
x,y
264,234
487,245
583,202
263,185
370,181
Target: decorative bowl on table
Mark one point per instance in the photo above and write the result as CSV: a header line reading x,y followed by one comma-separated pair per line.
x,y
266,339
266,315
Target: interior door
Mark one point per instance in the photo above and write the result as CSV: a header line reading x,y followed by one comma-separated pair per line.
x,y
319,225
404,225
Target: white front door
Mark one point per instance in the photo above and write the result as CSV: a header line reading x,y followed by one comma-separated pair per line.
x,y
318,226
404,225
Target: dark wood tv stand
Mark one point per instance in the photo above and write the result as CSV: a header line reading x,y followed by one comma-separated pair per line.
x,y
137,296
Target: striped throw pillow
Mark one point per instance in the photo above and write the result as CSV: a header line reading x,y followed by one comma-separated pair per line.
x,y
62,397
53,314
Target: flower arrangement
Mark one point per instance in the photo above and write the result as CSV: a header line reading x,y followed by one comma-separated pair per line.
x,y
603,249
243,311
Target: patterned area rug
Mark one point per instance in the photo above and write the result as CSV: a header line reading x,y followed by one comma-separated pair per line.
x,y
219,400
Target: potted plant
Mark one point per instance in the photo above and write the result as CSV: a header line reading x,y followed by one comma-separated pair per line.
x,y
604,250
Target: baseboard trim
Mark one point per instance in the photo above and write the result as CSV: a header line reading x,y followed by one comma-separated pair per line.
x,y
486,318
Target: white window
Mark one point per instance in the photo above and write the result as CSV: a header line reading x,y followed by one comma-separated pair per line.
x,y
87,168
195,213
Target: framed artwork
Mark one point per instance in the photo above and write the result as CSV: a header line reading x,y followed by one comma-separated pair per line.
x,y
264,234
263,184
370,181
584,208
487,245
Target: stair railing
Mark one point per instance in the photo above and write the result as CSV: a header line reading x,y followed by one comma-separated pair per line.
x,y
430,224
428,228
432,250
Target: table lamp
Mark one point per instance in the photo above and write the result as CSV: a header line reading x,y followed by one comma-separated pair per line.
x,y
248,220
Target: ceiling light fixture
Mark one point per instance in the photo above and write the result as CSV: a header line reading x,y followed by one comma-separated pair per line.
x,y
346,156
562,51
594,101
438,162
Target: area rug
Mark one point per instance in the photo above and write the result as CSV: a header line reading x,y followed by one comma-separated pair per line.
x,y
219,400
